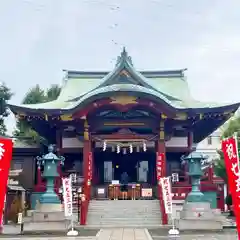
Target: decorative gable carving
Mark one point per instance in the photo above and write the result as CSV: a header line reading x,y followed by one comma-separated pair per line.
x,y
124,77
125,131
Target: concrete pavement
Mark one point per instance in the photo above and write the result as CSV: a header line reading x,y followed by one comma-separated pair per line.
x,y
129,234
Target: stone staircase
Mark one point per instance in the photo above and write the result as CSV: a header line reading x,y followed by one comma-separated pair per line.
x,y
124,213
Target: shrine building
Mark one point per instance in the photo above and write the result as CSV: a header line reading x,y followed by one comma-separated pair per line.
x,y
108,123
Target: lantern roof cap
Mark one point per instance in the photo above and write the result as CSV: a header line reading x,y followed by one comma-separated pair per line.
x,y
50,155
195,155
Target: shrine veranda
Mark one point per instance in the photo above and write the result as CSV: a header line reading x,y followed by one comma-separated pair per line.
x,y
122,119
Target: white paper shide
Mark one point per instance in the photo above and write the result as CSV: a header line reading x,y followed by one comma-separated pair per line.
x,y
167,194
67,196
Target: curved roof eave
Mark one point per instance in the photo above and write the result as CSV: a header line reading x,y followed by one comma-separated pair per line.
x,y
125,88
97,93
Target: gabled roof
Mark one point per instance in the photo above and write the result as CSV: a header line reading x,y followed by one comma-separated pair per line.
x,y
170,87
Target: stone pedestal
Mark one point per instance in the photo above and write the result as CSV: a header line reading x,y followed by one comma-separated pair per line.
x,y
47,218
38,216
50,207
199,216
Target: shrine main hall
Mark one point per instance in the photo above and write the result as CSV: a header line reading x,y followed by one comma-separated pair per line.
x,y
108,123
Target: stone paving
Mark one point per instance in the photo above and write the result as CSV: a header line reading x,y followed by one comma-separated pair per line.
x,y
229,235
123,234
198,237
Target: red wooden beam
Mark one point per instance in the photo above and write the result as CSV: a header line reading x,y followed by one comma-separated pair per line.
x,y
119,136
157,108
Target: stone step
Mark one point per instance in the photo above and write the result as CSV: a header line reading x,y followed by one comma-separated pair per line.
x,y
110,226
123,217
134,211
139,213
109,222
126,203
121,223
124,220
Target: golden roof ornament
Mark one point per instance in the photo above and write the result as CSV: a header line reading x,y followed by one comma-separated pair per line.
x,y
124,100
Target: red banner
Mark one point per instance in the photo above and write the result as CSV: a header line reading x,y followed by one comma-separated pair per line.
x,y
6,146
230,152
159,165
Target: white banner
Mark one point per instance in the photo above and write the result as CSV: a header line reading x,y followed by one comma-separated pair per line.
x,y
67,196
167,194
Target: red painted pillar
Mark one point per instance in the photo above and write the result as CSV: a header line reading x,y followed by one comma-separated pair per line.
x,y
86,166
210,174
39,186
93,172
161,148
87,173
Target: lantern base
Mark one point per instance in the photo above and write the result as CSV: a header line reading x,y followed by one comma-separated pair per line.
x,y
49,198
195,197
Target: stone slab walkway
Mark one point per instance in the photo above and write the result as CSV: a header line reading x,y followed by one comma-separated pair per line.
x,y
123,234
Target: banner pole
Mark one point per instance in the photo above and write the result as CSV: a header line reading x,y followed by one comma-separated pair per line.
x,y
68,204
173,222
168,205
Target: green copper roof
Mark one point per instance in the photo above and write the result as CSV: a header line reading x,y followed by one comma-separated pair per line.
x,y
78,88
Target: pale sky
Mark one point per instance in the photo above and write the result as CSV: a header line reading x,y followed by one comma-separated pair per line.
x,y
39,38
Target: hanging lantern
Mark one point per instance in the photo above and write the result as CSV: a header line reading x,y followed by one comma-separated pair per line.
x,y
144,147
118,149
104,146
113,148
130,148
124,151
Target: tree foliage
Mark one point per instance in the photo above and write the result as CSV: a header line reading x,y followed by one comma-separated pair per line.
x,y
219,167
34,96
233,126
5,95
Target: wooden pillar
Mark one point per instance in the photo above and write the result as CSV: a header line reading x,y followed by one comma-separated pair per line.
x,y
161,148
190,146
190,140
59,141
58,180
86,154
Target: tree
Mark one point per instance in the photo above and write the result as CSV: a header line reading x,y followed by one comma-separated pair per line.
x,y
52,93
219,167
35,95
5,95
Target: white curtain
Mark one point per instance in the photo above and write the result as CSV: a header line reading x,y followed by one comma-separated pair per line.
x,y
143,171
108,171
